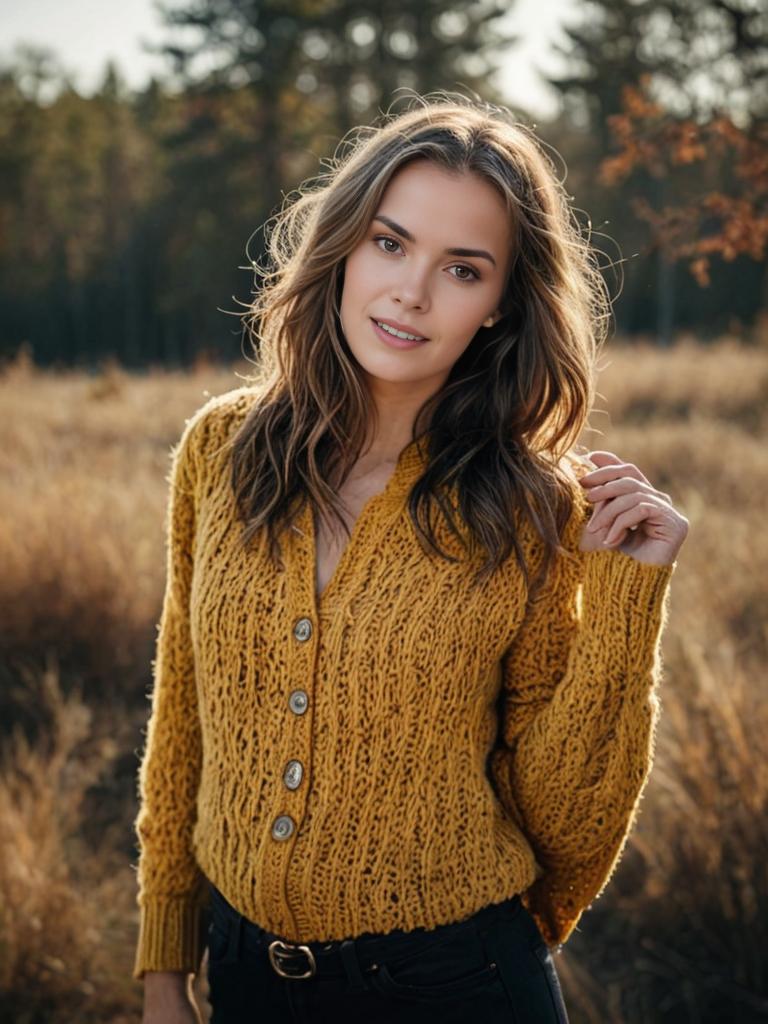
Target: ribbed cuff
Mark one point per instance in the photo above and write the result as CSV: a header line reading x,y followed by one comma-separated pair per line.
x,y
169,936
617,585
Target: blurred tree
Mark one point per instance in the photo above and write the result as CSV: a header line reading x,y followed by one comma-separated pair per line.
x,y
365,57
688,62
703,56
37,73
314,68
715,59
603,53
72,175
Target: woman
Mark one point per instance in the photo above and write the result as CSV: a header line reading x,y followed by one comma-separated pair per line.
x,y
404,699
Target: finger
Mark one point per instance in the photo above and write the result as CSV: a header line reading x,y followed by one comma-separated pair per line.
x,y
595,510
613,508
612,467
603,518
599,460
629,519
602,457
623,485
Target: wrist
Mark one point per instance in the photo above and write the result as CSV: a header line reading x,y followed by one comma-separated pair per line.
x,y
167,981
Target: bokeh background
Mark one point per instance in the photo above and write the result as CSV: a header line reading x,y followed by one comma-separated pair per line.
x,y
143,148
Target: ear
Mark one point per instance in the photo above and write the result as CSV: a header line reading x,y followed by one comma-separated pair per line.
x,y
493,319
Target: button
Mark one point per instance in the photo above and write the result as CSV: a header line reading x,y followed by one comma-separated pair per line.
x,y
283,827
298,702
293,774
303,629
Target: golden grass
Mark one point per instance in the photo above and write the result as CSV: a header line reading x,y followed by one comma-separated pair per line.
x,y
678,935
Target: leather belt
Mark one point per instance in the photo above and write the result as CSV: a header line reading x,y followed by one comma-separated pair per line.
x,y
351,957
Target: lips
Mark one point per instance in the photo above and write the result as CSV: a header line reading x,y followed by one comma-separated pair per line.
x,y
392,340
405,328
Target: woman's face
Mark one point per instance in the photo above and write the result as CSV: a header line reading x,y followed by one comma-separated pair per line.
x,y
402,272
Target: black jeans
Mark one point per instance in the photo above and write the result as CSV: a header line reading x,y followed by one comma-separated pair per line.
x,y
492,967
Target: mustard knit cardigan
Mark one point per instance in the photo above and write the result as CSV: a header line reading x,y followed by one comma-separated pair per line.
x,y
400,751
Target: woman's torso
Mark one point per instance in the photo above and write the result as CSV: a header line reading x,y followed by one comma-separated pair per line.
x,y
384,690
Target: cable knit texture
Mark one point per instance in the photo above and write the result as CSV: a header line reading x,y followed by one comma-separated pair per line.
x,y
455,745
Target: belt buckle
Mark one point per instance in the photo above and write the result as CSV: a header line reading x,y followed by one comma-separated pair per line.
x,y
289,949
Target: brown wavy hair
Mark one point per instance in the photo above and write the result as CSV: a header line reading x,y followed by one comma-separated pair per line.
x,y
501,431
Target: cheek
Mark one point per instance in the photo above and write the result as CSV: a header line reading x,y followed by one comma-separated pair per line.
x,y
358,276
454,345
461,314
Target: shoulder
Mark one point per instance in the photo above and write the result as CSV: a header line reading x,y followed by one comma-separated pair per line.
x,y
217,420
210,429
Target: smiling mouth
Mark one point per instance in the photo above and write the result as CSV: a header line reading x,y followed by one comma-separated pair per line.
x,y
394,333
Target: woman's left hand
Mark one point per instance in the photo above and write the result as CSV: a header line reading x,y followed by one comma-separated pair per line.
x,y
630,515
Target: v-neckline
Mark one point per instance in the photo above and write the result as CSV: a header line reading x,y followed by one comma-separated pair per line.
x,y
409,464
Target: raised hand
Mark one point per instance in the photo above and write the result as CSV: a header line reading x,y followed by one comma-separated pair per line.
x,y
630,514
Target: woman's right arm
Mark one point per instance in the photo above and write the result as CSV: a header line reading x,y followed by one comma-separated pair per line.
x,y
171,886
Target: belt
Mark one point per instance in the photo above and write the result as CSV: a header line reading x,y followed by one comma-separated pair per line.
x,y
351,957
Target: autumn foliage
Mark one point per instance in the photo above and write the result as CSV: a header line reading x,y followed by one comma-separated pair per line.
x,y
725,210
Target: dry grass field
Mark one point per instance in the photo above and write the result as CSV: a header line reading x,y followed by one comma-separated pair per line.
x,y
681,933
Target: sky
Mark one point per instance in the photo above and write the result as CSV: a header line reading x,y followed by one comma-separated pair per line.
x,y
85,33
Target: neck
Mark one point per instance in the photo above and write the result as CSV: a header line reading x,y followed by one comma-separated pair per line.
x,y
391,429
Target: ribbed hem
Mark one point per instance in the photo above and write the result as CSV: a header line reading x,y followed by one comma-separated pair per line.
x,y
169,936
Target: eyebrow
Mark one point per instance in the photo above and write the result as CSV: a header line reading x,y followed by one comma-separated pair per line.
x,y
451,252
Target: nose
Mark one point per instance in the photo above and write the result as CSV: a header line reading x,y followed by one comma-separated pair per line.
x,y
410,288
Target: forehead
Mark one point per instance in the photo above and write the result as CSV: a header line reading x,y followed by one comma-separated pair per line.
x,y
453,209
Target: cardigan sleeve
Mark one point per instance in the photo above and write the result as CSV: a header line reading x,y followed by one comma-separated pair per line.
x,y
580,707
170,885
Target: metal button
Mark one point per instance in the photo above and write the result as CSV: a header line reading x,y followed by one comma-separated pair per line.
x,y
293,774
303,629
298,702
283,827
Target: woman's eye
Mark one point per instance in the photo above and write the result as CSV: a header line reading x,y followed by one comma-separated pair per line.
x,y
386,238
470,271
473,274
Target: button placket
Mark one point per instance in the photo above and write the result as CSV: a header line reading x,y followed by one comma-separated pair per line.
x,y
295,756
284,825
